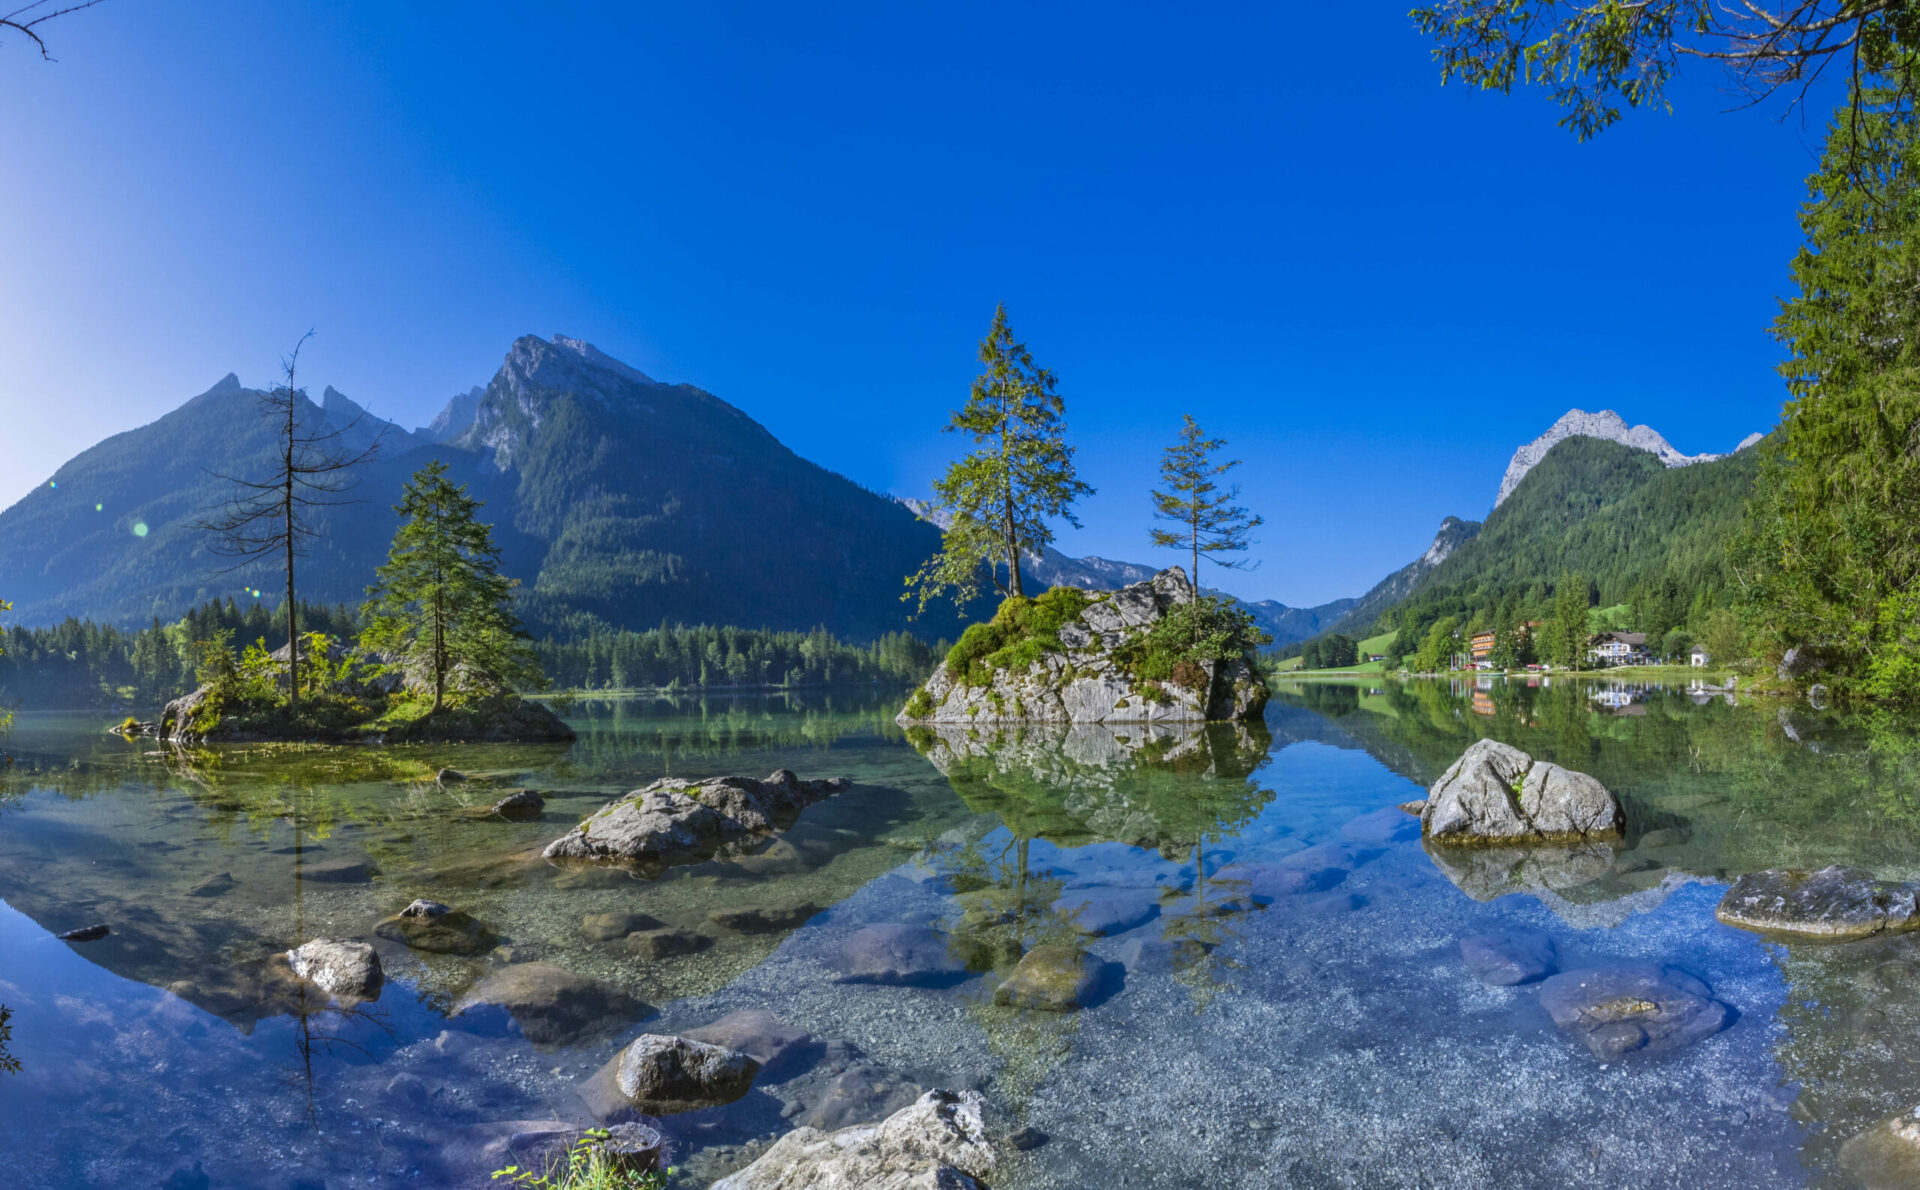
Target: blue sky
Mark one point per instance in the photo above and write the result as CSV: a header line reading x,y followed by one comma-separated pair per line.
x,y
1270,216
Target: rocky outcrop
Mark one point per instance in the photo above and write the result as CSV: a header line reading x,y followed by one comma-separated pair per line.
x,y
1834,902
437,929
939,1143
345,969
1085,681
1495,793
676,819
1607,425
1633,1007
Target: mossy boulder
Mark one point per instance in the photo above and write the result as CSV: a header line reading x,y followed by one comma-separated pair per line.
x,y
1147,653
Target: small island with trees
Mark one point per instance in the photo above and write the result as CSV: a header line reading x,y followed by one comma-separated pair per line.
x,y
439,655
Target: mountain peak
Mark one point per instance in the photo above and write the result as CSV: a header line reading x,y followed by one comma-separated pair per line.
x,y
1607,425
566,363
226,384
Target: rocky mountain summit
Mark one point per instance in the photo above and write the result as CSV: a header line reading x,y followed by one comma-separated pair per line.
x,y
1608,425
1081,657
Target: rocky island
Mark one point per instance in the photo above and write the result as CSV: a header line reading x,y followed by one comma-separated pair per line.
x,y
1148,653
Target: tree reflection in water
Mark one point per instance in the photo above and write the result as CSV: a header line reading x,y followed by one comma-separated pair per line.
x,y
8,1063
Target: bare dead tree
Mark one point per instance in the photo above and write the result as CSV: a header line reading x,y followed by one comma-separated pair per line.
x,y
27,19
271,517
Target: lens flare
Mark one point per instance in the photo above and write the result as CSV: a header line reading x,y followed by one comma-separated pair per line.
x,y
99,508
139,528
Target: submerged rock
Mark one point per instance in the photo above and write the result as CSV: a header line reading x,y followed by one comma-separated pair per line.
x,y
91,933
1497,793
764,919
1101,912
895,953
335,871
663,943
1087,678
1886,1156
608,926
218,884
1502,960
1633,1007
938,1143
678,819
553,1006
860,1094
758,1034
338,968
1832,902
519,806
1051,979
437,929
663,1075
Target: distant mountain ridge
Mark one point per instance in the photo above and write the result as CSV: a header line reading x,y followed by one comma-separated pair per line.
x,y
1607,426
618,501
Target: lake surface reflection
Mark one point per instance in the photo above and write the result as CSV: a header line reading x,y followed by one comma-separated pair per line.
x,y
1281,998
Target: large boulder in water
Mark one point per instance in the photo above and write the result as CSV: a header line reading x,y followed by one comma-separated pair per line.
x,y
1833,902
1084,669
347,969
678,819
938,1142
1495,793
662,1075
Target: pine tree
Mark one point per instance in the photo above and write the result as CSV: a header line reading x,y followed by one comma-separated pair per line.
x,y
440,603
1210,522
1001,497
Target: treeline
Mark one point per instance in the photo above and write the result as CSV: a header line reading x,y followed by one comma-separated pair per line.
x,y
674,658
78,663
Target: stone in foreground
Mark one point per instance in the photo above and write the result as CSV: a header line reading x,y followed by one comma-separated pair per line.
x,y
1051,979
1634,1007
349,969
1886,1156
436,929
1495,793
1836,903
938,1143
1502,960
678,819
893,953
663,1075
554,1006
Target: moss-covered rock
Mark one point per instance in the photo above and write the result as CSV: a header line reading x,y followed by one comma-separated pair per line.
x,y
1150,652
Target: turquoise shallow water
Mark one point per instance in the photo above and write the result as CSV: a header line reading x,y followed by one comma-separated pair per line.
x,y
1324,1035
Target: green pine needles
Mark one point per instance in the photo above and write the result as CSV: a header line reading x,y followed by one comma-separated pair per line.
x,y
1001,497
441,610
1209,521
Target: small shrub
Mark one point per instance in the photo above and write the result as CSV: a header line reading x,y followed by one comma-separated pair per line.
x,y
585,1167
920,705
1188,673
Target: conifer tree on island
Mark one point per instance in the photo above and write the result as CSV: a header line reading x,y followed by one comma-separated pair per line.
x,y
441,605
1210,522
1002,495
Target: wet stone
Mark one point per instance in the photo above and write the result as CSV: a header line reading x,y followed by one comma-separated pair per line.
x,y
764,919
92,933
1833,902
663,943
338,968
219,884
1026,1139
607,926
1099,914
1051,979
1886,1156
895,953
336,871
436,929
664,1075
553,1006
1667,836
758,1034
521,805
938,1141
1502,960
1633,1007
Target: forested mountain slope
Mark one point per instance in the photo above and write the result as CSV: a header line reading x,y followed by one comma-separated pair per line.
x,y
1610,513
